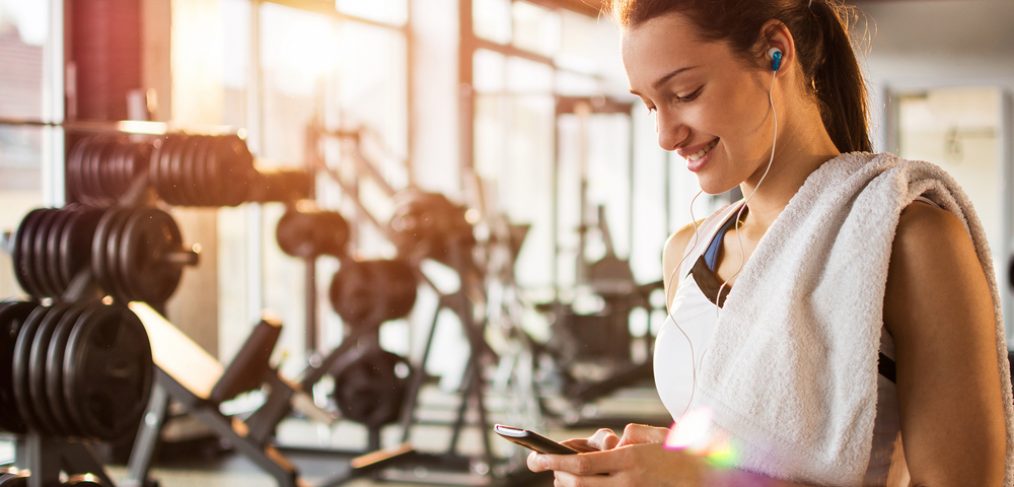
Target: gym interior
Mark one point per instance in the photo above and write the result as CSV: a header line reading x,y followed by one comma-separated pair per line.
x,y
343,239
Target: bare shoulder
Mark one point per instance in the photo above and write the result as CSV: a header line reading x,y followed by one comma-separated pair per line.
x,y
919,220
933,261
675,246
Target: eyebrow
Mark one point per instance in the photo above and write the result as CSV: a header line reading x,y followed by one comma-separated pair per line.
x,y
672,74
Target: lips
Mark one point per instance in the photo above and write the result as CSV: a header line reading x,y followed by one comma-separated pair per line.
x,y
697,156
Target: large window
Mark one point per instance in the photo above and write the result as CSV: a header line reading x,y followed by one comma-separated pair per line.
x,y
287,65
27,177
556,134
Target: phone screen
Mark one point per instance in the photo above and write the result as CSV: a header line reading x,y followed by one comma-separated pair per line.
x,y
532,440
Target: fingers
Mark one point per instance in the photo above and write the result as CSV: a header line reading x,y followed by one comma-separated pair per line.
x,y
641,433
604,439
579,444
564,479
582,464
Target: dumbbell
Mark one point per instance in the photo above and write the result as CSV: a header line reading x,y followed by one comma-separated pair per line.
x,y
101,168
366,293
138,254
308,232
51,246
201,170
82,370
428,225
281,185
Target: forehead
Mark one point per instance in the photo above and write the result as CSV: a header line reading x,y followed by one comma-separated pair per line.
x,y
664,43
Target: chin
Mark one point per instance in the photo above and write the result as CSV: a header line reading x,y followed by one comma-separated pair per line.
x,y
712,187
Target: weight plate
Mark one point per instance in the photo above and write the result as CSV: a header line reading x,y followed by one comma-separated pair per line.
x,y
102,235
37,370
371,389
91,174
54,369
113,171
237,169
23,252
211,174
335,233
75,170
155,162
12,317
22,347
367,293
108,371
160,167
76,242
127,162
176,171
197,189
114,249
102,171
53,255
39,260
149,239
203,191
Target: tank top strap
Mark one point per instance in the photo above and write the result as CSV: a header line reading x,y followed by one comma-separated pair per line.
x,y
706,232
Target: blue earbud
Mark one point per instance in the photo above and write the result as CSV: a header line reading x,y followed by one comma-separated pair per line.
x,y
776,58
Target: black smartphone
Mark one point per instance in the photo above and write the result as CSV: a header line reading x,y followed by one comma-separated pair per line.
x,y
532,440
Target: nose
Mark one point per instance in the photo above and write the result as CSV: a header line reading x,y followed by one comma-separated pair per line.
x,y
672,132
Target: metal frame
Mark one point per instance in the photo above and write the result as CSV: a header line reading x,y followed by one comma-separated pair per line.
x,y
256,102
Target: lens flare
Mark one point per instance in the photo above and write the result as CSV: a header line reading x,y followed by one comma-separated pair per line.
x,y
694,434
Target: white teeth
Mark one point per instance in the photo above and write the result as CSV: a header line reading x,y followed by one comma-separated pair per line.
x,y
701,153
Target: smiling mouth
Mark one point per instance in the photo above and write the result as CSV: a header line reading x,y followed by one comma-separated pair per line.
x,y
703,152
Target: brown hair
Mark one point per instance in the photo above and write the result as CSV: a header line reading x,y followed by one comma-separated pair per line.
x,y
820,31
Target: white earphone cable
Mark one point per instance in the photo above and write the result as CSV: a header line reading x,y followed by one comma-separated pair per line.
x,y
693,244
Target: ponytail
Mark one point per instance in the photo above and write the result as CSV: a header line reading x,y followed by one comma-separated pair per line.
x,y
838,81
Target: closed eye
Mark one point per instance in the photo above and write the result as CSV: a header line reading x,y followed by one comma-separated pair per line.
x,y
690,96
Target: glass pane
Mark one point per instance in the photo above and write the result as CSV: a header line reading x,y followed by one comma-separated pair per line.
x,y
526,185
535,28
387,11
298,57
524,76
23,36
488,71
371,89
491,20
609,179
572,84
591,46
959,129
24,45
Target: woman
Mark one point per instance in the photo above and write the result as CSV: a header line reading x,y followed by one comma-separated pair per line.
x,y
868,311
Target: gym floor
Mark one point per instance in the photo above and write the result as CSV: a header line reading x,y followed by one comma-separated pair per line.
x,y
233,470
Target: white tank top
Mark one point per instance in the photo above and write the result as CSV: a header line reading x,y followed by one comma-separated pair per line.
x,y
676,346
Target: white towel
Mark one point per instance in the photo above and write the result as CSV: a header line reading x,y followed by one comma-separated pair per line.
x,y
792,371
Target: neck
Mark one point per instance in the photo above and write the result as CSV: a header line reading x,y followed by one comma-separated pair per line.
x,y
803,145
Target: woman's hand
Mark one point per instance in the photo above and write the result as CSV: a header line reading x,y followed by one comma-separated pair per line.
x,y
633,464
607,439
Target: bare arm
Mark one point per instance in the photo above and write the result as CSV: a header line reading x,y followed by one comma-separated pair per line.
x,y
939,310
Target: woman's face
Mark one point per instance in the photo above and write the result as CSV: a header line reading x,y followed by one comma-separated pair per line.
x,y
710,106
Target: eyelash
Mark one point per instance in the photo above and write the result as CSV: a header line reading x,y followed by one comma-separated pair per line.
x,y
690,97
681,99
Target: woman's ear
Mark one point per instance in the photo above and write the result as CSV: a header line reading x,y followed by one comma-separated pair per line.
x,y
775,34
